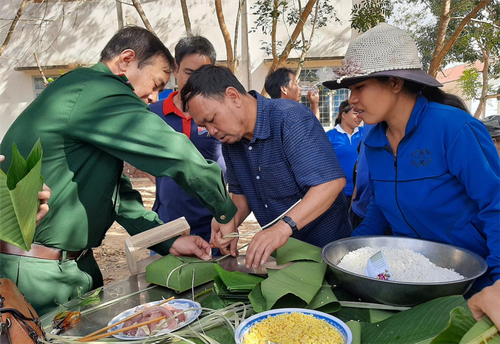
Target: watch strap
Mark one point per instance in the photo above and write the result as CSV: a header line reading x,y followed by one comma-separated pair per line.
x,y
291,223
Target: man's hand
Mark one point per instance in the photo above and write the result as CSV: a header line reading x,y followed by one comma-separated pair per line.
x,y
43,209
313,97
487,301
217,239
191,246
265,242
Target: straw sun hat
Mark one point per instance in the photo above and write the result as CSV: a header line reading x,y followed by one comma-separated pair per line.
x,y
384,50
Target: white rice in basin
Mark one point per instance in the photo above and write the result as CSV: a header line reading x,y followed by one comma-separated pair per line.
x,y
405,265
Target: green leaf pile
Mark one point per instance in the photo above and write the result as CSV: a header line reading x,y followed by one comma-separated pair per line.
x,y
19,197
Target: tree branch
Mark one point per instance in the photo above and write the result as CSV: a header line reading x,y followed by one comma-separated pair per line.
x,y
185,16
13,26
145,20
45,81
225,34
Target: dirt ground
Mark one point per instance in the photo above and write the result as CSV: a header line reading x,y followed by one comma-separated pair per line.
x,y
111,254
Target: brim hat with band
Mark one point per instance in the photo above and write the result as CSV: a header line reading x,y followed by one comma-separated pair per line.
x,y
492,123
382,51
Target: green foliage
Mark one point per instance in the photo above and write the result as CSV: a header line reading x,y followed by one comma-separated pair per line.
x,y
469,83
288,12
369,13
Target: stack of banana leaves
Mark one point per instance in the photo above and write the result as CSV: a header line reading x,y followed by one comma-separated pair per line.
x,y
307,284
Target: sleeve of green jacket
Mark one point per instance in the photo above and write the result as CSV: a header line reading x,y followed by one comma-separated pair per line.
x,y
132,215
119,123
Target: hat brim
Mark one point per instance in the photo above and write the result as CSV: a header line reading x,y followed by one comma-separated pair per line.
x,y
414,75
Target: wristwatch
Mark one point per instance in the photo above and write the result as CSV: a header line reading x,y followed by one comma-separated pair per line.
x,y
291,223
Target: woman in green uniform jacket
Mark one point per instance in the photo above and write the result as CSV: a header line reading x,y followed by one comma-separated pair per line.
x,y
89,121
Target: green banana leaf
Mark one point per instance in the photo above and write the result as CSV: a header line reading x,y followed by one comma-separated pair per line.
x,y
180,270
238,281
421,324
222,291
296,250
482,332
461,320
324,300
355,328
293,286
19,197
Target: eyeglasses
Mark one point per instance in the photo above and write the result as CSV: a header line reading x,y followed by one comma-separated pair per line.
x,y
63,321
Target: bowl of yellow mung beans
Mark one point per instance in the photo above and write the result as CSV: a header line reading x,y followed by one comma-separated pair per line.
x,y
293,326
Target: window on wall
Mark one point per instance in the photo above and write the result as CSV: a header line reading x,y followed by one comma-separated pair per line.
x,y
39,85
329,100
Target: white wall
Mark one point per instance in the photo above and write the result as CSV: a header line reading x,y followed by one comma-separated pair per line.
x,y
77,35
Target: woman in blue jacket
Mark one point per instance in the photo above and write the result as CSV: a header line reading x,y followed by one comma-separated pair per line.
x,y
345,138
434,170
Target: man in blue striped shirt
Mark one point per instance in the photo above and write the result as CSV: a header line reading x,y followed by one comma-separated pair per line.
x,y
276,153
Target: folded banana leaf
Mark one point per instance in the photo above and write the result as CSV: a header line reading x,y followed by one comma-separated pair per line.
x,y
19,197
297,250
224,293
324,300
484,331
238,281
177,272
293,286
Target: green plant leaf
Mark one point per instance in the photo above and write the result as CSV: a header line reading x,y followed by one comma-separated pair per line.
x,y
19,197
324,300
355,327
461,320
296,250
482,332
417,325
238,281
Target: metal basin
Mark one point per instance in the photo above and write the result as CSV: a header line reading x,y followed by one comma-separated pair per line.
x,y
467,263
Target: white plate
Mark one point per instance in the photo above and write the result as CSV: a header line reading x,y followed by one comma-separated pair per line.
x,y
193,311
336,323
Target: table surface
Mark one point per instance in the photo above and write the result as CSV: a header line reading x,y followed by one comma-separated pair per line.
x,y
117,297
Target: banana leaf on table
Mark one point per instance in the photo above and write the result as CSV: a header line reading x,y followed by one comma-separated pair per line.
x,y
484,331
19,197
238,281
296,250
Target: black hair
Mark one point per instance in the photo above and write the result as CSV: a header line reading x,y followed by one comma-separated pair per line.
x,y
274,81
210,82
433,94
143,42
191,45
343,107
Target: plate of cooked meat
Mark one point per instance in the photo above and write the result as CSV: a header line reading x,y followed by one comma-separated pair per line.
x,y
169,317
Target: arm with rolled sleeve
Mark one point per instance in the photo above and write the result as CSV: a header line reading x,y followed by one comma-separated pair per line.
x,y
482,182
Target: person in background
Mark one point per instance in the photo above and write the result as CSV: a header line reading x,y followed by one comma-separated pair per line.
x,y
89,121
345,138
492,123
362,190
282,84
171,201
276,153
43,197
487,302
434,170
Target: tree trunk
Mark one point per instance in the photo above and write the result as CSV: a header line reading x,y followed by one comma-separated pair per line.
x,y
236,33
145,20
306,47
273,31
185,15
225,34
484,90
13,26
298,28
442,47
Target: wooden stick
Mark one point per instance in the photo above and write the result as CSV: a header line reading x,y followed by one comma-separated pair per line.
x,y
86,338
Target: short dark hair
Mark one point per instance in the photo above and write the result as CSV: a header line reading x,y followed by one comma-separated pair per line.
x,y
274,81
343,107
143,42
194,45
210,82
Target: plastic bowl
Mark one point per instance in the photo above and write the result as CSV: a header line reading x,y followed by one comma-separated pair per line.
x,y
465,262
246,325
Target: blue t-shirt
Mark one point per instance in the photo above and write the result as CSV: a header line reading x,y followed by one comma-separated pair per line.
x,y
171,201
347,153
288,154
